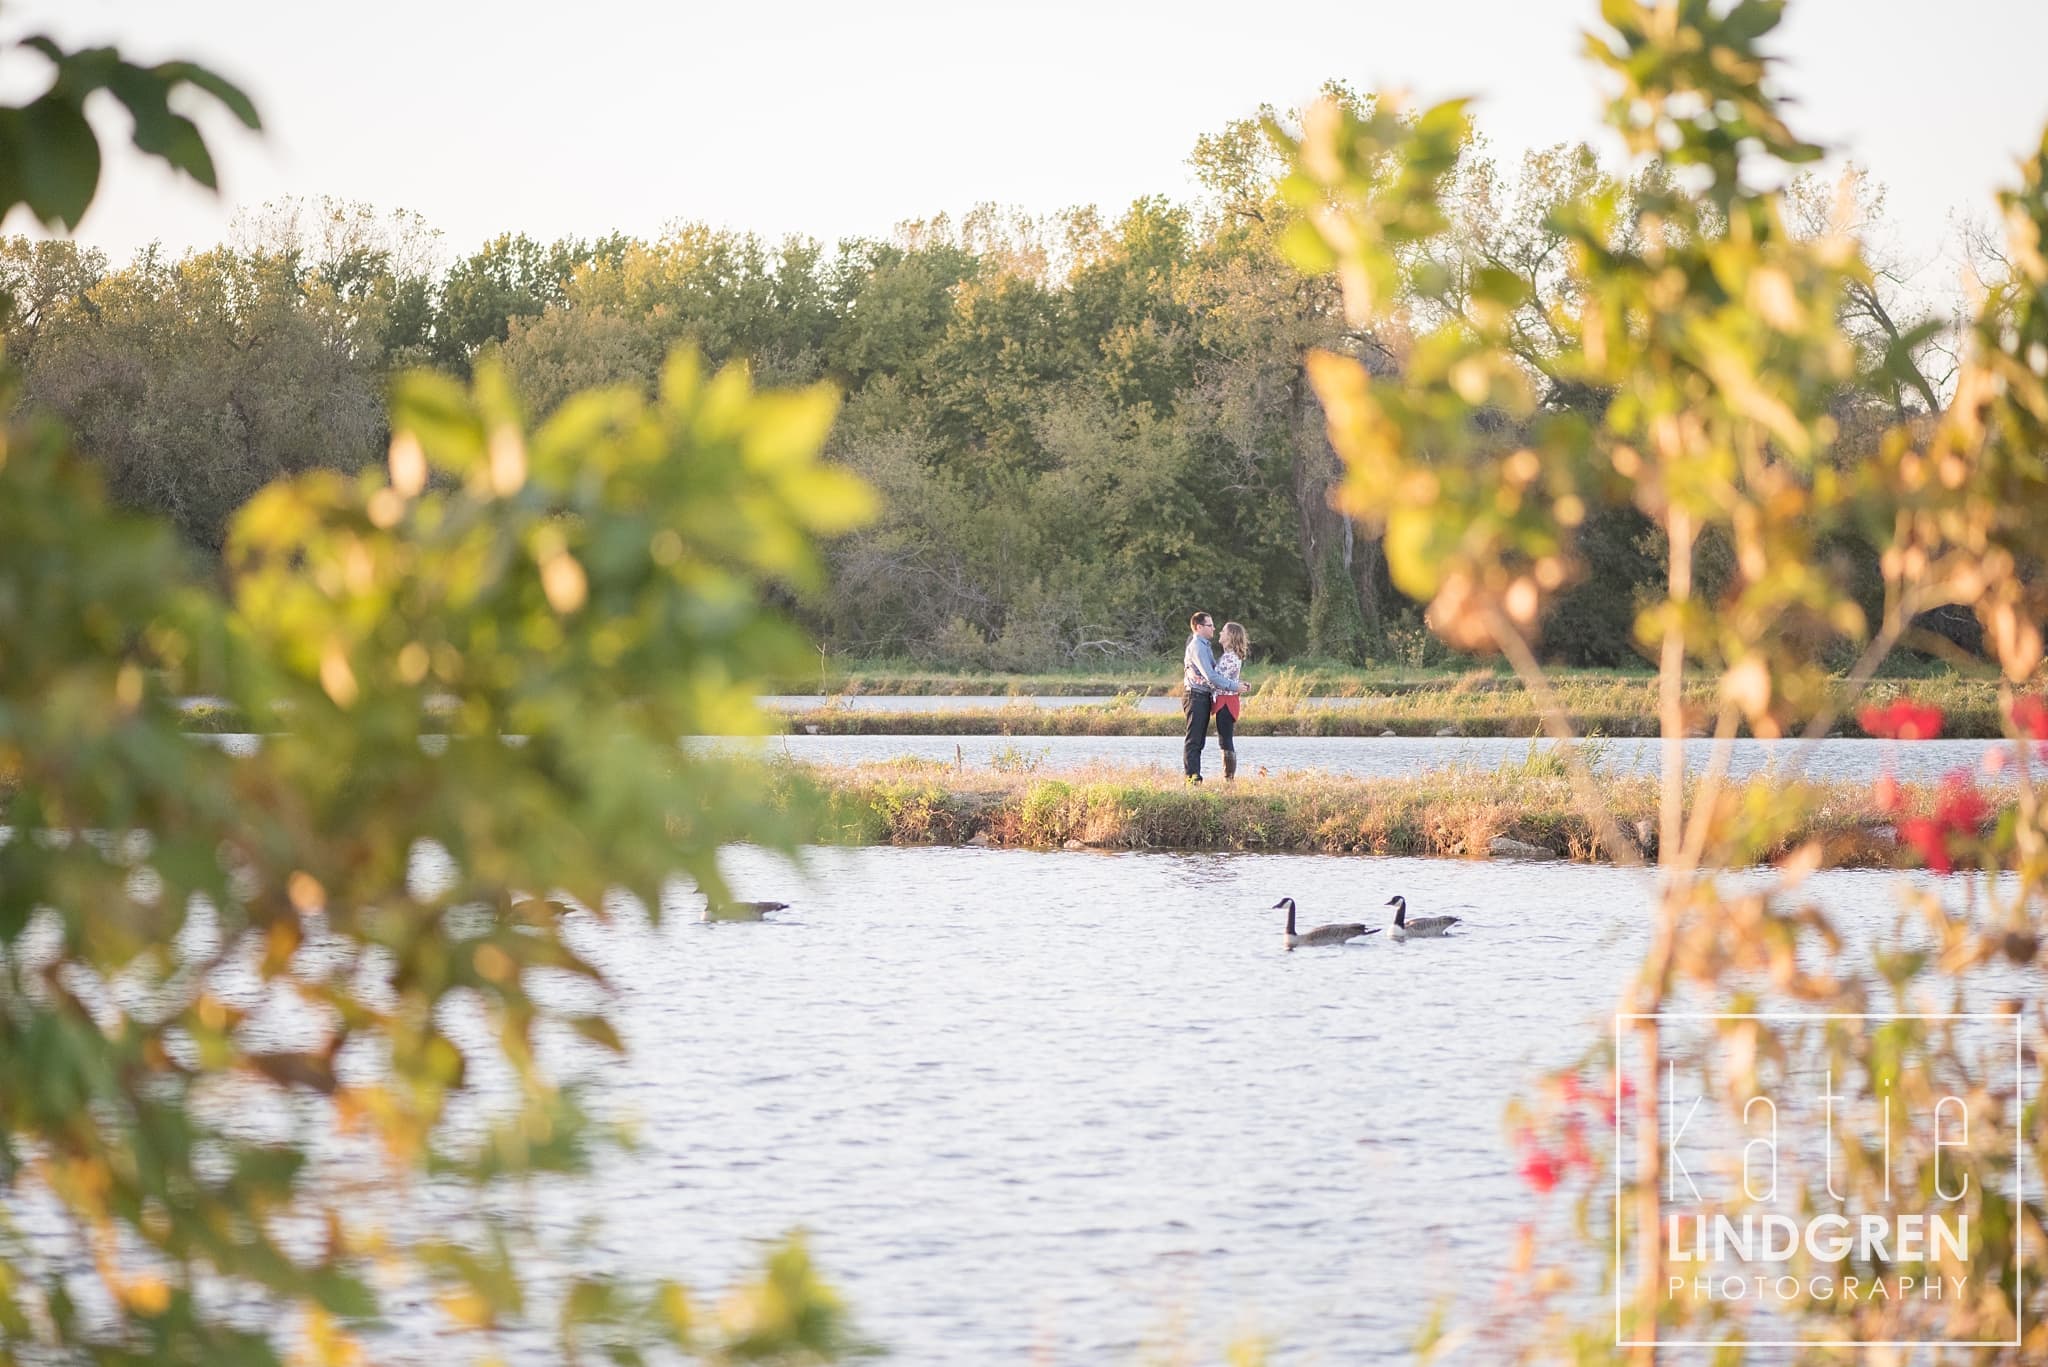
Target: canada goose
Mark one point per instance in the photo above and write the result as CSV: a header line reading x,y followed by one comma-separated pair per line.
x,y
1421,925
742,911
1321,935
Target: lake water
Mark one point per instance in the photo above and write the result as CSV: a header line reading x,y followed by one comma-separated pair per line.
x,y
1085,1108
1082,1107
977,702
1077,1107
1848,761
1386,756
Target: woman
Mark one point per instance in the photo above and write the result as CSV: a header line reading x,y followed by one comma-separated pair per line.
x,y
1236,645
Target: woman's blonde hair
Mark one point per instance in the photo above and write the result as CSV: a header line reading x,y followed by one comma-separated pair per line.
x,y
1233,638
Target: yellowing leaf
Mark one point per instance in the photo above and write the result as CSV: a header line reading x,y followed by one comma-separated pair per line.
x,y
337,679
507,460
149,1296
831,499
408,462
1748,685
468,1307
789,429
561,578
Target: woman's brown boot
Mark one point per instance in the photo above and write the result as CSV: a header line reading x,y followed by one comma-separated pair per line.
x,y
1229,765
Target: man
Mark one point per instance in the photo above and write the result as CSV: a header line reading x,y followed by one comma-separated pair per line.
x,y
1200,683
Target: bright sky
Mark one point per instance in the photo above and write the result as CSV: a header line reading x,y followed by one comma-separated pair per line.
x,y
843,118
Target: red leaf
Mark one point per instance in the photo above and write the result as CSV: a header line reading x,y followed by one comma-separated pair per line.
x,y
1922,722
1539,1169
1959,806
1902,720
1930,840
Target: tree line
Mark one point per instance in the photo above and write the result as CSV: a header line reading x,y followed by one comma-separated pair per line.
x,y
1081,425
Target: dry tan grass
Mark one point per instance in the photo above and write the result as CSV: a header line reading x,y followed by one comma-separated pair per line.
x,y
1476,705
1447,814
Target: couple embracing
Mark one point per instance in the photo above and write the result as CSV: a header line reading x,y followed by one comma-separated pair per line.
x,y
1211,686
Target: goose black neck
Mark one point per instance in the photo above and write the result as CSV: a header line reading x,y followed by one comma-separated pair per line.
x,y
1290,916
1401,911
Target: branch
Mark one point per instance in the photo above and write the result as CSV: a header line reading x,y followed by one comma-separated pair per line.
x,y
1899,602
1584,784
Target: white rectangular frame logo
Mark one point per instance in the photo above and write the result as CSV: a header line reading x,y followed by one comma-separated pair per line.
x,y
2018,1169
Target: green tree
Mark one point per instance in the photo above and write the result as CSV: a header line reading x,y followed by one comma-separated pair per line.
x,y
729,295
194,384
1127,310
510,277
41,281
1258,321
983,378
1905,354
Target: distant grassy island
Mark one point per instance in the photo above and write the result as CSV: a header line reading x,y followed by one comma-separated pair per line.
x,y
1155,678
1284,703
1450,813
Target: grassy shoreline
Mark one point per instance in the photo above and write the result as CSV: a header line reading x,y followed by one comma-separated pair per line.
x,y
1450,813
1282,705
1161,678
1466,707
1152,679
1454,813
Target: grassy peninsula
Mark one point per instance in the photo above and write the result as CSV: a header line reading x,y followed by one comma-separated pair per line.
x,y
1452,813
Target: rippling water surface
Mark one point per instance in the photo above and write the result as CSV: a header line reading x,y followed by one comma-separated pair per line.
x,y
1851,761
1078,1105
976,702
1071,1102
1843,760
1082,1108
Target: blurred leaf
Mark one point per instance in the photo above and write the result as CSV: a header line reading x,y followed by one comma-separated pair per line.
x,y
59,160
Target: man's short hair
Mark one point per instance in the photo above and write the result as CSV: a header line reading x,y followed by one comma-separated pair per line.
x,y
1198,619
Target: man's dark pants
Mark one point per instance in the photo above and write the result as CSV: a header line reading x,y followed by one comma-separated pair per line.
x,y
1196,706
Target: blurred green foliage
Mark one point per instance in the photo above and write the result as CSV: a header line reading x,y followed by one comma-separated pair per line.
x,y
49,153
1714,341
241,1027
